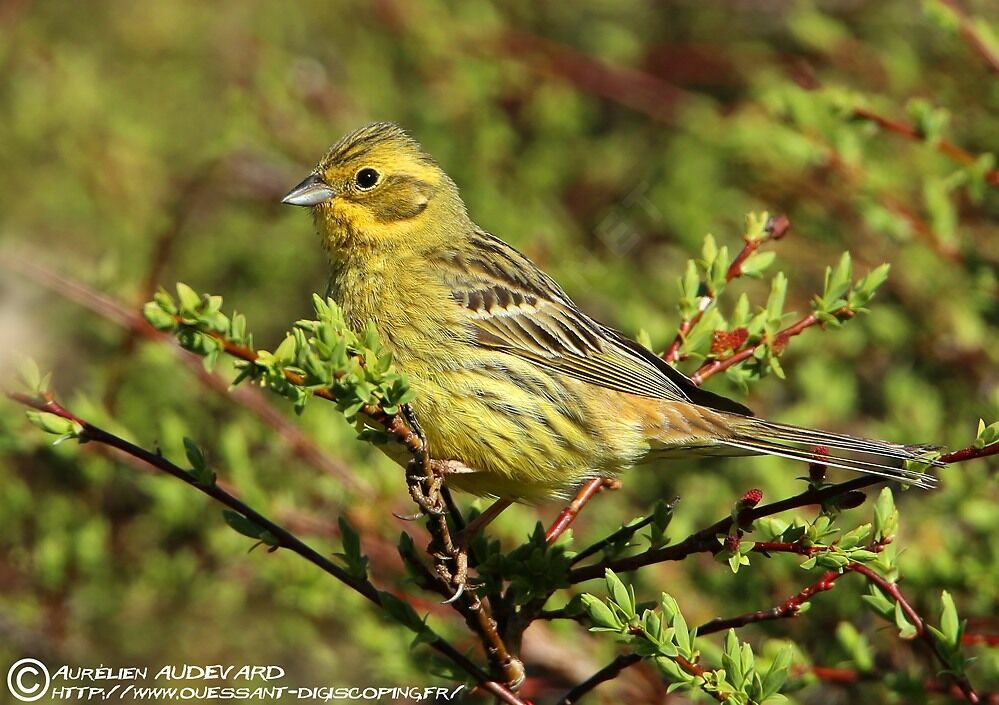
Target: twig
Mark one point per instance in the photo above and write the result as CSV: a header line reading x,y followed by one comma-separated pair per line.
x,y
776,228
425,487
250,397
609,672
971,35
969,453
918,622
625,532
472,609
705,539
788,608
911,133
282,537
783,336
572,510
699,671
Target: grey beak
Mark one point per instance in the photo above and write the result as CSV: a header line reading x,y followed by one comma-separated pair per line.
x,y
310,192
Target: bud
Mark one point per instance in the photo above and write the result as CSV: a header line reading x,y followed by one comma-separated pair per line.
x,y
816,470
778,226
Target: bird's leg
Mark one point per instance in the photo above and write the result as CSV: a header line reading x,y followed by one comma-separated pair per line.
x,y
425,478
463,537
568,515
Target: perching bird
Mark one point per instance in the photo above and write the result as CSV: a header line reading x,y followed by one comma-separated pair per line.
x,y
527,393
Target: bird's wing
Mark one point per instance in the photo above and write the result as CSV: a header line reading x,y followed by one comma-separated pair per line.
x,y
513,306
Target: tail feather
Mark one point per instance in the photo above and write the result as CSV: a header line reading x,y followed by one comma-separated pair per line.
x,y
884,459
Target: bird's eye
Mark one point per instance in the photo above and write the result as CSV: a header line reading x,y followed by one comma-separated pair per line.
x,y
366,178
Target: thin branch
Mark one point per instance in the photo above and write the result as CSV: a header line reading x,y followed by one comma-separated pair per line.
x,y
917,621
706,540
625,532
469,606
788,608
909,132
112,310
282,537
572,510
776,228
609,672
450,560
969,453
971,35
780,340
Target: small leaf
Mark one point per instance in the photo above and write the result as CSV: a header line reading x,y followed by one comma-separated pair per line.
x,y
241,524
600,614
188,298
620,594
885,515
950,625
194,455
30,374
906,629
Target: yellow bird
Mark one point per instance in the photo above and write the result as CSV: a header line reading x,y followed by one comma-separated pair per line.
x,y
527,393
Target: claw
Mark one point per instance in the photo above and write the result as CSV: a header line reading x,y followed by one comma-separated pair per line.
x,y
407,517
456,595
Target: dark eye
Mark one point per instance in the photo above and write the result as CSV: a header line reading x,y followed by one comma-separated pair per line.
x,y
366,178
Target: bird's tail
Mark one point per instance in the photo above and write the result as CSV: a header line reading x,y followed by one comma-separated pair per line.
x,y
862,455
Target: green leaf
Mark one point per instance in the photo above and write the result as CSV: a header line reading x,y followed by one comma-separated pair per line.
x,y
356,562
31,376
620,595
838,279
950,625
775,677
194,455
242,525
864,290
401,612
775,301
54,424
189,299
856,646
287,350
757,263
885,515
600,614
906,629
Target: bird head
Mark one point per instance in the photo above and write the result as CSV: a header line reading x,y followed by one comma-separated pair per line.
x,y
376,187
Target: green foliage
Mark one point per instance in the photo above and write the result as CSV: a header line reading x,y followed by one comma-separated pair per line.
x,y
317,354
533,570
661,635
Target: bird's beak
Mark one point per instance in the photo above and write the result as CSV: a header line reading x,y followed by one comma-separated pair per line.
x,y
310,192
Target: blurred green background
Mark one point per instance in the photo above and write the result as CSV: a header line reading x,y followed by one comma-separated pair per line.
x,y
145,143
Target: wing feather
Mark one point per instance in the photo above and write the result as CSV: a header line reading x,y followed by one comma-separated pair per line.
x,y
514,307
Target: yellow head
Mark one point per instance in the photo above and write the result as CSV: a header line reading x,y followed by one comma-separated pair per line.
x,y
377,188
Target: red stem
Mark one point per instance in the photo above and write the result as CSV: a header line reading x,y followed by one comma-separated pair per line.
x,y
906,130
572,510
971,35
776,228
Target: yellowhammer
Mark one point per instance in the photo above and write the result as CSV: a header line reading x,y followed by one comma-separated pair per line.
x,y
513,381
